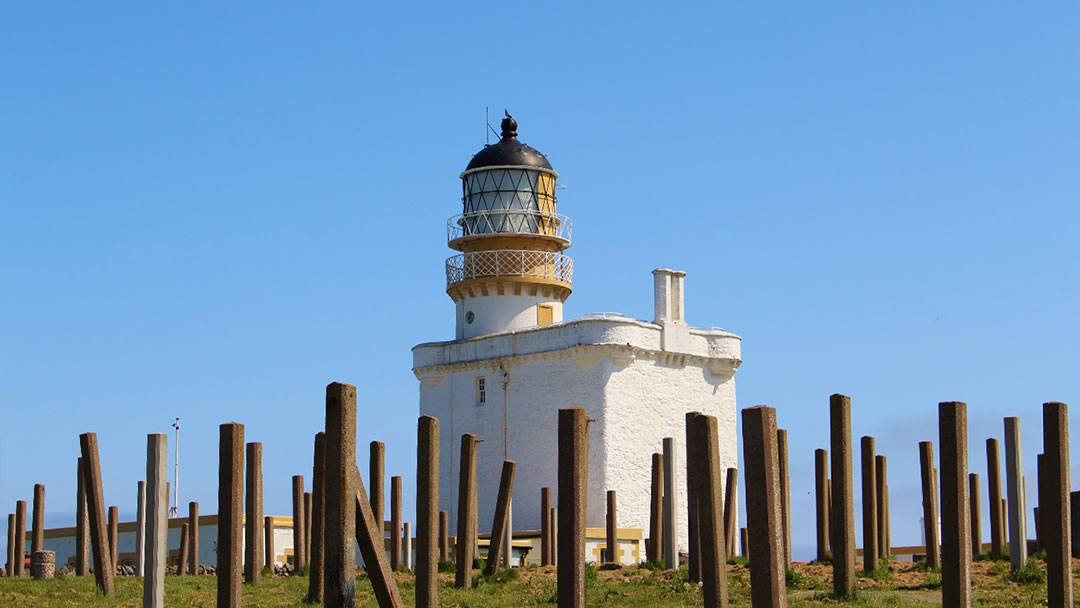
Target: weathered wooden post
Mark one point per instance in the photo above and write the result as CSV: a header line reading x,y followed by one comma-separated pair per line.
x,y
502,513
307,527
545,527
869,505
184,551
37,539
930,505
573,493
692,533
395,522
993,483
140,528
82,524
192,537
821,502
373,550
230,513
1074,520
253,516
553,519
842,508
1056,515
671,501
612,530
9,565
654,548
731,520
406,545
785,492
955,527
1017,505
268,542
712,560
114,534
975,514
466,516
763,511
299,543
429,522
339,563
444,535
95,500
155,550
882,503
317,557
377,481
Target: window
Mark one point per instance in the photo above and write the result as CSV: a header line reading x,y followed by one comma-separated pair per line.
x,y
545,314
481,390
469,317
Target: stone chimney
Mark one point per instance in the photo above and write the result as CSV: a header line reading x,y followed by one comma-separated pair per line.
x,y
668,298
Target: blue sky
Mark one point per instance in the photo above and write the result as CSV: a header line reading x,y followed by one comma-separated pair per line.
x,y
212,211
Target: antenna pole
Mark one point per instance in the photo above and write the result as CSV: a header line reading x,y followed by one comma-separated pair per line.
x,y
487,126
174,511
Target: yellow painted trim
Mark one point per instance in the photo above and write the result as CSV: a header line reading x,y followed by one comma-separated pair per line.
x,y
560,290
280,521
499,240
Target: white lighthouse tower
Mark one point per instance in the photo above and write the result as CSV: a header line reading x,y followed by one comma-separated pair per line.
x,y
511,272
515,360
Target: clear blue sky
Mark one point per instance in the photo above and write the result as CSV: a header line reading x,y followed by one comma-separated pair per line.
x,y
212,210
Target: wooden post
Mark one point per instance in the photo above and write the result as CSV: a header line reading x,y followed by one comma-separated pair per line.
x,y
317,516
1056,513
869,505
842,508
930,504
502,514
654,548
712,544
955,527
339,561
545,527
763,511
428,518
466,515
95,500
230,513
573,492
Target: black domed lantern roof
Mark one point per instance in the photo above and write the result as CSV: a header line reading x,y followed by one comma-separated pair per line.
x,y
508,152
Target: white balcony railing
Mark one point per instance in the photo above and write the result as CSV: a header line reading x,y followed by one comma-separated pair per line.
x,y
509,221
509,263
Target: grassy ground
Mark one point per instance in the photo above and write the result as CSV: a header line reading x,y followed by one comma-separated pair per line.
x,y
896,585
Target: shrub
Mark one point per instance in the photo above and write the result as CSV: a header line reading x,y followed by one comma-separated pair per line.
x,y
446,565
590,572
1029,574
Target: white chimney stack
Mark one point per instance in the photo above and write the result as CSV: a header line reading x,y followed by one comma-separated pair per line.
x,y
668,295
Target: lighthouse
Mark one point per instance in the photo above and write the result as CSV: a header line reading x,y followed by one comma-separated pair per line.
x,y
515,360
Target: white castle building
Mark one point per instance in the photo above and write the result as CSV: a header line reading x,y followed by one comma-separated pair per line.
x,y
515,361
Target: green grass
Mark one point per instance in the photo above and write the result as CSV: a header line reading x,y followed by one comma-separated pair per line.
x,y
1029,574
641,587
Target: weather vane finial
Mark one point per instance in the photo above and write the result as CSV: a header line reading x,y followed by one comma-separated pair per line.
x,y
509,126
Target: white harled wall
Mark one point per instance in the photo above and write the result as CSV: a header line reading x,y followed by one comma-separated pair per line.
x,y
636,392
495,313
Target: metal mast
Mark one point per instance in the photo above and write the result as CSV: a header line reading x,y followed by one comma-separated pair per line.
x,y
174,511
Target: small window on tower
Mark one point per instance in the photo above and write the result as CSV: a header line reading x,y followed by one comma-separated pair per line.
x,y
481,390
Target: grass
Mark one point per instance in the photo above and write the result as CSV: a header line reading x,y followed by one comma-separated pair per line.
x,y
810,586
